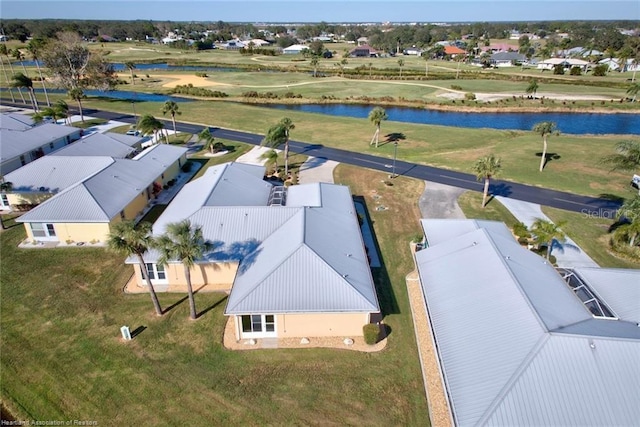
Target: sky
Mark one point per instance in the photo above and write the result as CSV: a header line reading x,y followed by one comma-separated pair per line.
x,y
324,10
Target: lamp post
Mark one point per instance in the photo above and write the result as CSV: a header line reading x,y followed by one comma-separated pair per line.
x,y
395,153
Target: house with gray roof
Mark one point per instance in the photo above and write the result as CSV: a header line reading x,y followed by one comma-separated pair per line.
x,y
21,143
110,144
94,193
276,251
506,59
519,345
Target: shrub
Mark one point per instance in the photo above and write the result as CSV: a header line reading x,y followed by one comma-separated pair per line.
x,y
456,87
558,69
600,70
371,332
201,74
470,96
575,71
521,231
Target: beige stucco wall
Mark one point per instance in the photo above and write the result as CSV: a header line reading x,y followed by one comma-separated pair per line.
x,y
218,276
172,171
27,198
76,232
321,325
136,206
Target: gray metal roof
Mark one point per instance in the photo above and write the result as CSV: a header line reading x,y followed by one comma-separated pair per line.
x,y
53,174
514,341
98,144
287,254
443,230
105,194
14,143
16,121
508,56
618,287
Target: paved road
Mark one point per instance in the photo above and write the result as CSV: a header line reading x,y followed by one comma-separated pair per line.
x,y
542,196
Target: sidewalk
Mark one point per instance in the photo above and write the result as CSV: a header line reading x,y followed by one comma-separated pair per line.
x,y
568,254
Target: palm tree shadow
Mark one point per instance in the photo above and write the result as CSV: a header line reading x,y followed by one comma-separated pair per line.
x,y
393,137
211,307
549,157
175,304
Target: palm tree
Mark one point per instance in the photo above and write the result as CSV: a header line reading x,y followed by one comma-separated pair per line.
x,y
209,140
627,157
22,80
185,244
630,210
271,158
131,66
377,116
34,47
46,112
546,232
400,64
127,238
171,107
532,88
149,124
6,77
277,135
314,63
485,168
7,52
633,91
62,108
544,129
77,94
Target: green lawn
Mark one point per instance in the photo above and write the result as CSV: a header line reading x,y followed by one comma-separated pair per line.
x,y
471,204
62,357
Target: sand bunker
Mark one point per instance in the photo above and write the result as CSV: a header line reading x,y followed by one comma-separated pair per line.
x,y
489,97
185,79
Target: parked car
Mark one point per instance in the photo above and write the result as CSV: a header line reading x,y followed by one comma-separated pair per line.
x,y
635,181
133,132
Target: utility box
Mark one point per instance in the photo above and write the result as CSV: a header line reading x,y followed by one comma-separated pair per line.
x,y
126,334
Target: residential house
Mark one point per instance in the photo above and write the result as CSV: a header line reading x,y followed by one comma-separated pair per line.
x,y
362,41
567,63
21,143
363,51
109,144
614,64
413,51
292,258
294,49
84,211
454,51
519,343
233,45
506,59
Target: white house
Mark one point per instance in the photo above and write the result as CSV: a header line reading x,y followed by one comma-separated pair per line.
x,y
294,49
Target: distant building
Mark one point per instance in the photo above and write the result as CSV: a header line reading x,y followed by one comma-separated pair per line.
x,y
363,51
294,49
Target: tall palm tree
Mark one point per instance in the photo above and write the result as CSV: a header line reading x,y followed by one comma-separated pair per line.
x,y
633,91
546,232
131,66
277,135
62,109
77,94
377,116
127,238
485,168
314,63
627,157
34,47
46,112
532,89
544,129
172,108
183,243
401,64
6,77
7,52
22,80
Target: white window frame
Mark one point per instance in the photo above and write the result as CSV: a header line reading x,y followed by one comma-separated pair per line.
x,y
4,201
47,229
258,321
155,272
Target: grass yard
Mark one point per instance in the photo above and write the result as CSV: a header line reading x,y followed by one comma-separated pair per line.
x,y
62,357
471,204
592,235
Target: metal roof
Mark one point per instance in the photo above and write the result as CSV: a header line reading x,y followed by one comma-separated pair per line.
x,y
99,144
443,230
14,143
53,174
16,121
287,255
618,287
514,342
105,194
